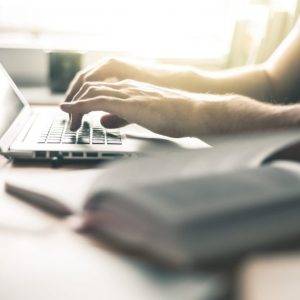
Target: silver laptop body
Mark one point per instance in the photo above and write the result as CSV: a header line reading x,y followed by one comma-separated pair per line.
x,y
43,134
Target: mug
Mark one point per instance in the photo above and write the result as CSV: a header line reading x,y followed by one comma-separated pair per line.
x,y
62,67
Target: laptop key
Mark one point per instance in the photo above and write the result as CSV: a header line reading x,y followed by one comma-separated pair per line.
x,y
54,137
83,140
53,142
59,132
112,136
115,142
96,132
98,142
69,140
99,138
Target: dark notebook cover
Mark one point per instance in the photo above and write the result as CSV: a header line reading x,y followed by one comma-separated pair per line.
x,y
196,207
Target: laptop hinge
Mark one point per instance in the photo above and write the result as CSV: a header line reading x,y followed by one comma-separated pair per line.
x,y
16,127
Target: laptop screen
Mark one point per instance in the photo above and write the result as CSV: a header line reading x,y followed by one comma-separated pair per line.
x,y
10,103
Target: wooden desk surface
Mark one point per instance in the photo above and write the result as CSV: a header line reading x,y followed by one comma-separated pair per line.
x,y
42,258
270,277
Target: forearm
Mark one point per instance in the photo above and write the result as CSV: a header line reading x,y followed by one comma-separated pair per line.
x,y
277,80
253,82
236,114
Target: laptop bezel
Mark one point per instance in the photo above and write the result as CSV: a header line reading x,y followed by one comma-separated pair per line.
x,y
15,127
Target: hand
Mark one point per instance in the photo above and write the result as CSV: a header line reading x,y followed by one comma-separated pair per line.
x,y
164,111
176,113
108,69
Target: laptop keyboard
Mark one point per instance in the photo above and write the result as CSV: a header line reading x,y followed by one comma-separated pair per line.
x,y
58,132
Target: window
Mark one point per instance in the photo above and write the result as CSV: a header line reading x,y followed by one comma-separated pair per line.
x,y
153,28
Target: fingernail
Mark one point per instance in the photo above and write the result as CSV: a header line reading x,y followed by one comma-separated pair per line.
x,y
65,107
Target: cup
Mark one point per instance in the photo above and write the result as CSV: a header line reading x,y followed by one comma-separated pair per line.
x,y
62,67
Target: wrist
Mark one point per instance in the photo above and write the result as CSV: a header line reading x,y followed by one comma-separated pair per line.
x,y
236,114
286,116
210,114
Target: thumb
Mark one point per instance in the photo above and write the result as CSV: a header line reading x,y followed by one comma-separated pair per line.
x,y
113,121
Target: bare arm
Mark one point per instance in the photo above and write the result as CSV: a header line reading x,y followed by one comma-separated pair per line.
x,y
250,81
283,68
176,113
277,80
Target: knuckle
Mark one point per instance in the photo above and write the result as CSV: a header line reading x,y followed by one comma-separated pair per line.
x,y
118,102
127,82
87,85
112,61
79,75
101,88
91,89
88,77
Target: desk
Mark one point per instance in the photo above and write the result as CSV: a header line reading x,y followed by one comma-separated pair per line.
x,y
270,277
42,258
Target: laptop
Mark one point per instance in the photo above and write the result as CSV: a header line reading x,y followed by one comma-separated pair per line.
x,y
29,133
44,134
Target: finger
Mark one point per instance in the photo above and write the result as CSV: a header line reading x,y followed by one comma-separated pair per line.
x,y
75,121
113,121
100,103
76,83
72,88
79,108
116,85
91,90
91,73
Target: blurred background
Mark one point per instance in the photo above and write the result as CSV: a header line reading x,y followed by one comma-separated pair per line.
x,y
214,34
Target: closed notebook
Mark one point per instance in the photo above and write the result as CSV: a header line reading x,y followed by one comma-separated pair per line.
x,y
203,219
191,208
